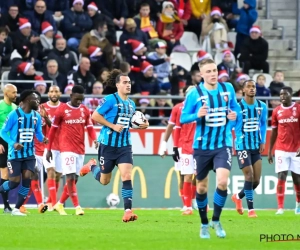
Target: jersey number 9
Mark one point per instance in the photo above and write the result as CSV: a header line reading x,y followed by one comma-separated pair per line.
x,y
26,137
124,121
217,119
251,126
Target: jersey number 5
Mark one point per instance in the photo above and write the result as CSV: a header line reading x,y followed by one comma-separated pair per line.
x,y
26,137
123,121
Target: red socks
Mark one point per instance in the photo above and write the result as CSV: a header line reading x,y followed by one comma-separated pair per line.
x,y
35,186
193,192
187,194
64,195
52,190
72,190
28,196
297,191
280,193
181,196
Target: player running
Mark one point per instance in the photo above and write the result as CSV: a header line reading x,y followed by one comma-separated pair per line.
x,y
250,131
212,105
286,134
18,131
6,106
72,118
114,113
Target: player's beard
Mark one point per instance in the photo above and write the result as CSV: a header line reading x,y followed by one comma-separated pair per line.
x,y
54,99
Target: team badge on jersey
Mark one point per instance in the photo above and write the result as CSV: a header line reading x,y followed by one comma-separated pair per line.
x,y
225,98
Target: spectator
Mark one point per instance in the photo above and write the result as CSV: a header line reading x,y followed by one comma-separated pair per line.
x,y
228,64
241,78
125,67
178,79
183,8
195,78
75,24
62,55
10,20
223,76
200,9
40,85
52,74
18,56
201,55
103,75
214,28
83,76
68,89
169,26
92,103
131,32
56,7
162,70
5,47
226,9
116,10
144,22
96,58
144,104
39,15
163,114
239,92
96,37
248,16
261,89
98,17
46,38
254,52
133,7
277,83
146,82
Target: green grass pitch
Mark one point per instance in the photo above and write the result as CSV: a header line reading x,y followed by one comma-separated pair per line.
x,y
154,230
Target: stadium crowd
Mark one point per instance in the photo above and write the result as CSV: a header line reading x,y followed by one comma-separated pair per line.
x,y
50,36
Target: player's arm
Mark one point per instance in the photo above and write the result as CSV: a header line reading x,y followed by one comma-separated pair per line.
x,y
177,132
238,128
189,113
7,126
234,107
38,130
58,116
44,115
274,134
263,127
90,128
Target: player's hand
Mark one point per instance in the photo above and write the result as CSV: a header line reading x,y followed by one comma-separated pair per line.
x,y
49,156
231,115
45,140
118,128
145,125
2,150
163,149
18,146
262,147
270,158
96,144
203,111
175,155
43,111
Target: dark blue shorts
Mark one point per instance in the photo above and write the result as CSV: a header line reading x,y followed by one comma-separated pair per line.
x,y
16,166
247,157
207,160
109,157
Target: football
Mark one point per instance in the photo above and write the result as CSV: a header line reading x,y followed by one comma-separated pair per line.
x,y
137,119
112,200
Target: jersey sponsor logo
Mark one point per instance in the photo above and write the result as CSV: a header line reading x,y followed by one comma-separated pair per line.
x,y
75,121
225,93
288,120
101,102
68,111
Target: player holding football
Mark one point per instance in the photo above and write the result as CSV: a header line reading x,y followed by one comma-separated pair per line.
x,y
212,105
72,118
18,131
286,134
6,106
250,131
114,113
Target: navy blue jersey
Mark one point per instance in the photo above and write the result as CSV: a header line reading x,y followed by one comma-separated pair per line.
x,y
20,128
251,125
116,111
214,130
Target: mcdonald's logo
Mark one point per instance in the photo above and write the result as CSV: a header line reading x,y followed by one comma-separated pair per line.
x,y
142,179
168,182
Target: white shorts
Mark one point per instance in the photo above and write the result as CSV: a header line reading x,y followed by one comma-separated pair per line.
x,y
286,161
177,165
187,164
39,162
54,162
71,163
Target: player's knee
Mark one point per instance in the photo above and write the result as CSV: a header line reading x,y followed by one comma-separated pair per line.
x,y
202,189
13,184
104,181
188,178
57,176
282,175
51,173
222,183
249,176
126,176
4,173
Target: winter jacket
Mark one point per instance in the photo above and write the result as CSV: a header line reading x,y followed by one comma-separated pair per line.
x,y
56,5
162,70
91,39
177,31
86,81
147,84
247,17
36,20
114,8
187,11
225,6
4,5
6,49
255,51
82,21
275,88
229,70
262,91
58,80
65,60
8,21
208,25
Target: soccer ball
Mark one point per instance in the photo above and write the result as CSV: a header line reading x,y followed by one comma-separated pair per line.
x,y
112,200
137,119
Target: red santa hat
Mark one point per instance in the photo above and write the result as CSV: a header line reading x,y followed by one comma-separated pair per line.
x,y
222,73
93,50
242,76
255,28
24,23
24,67
39,81
93,6
227,52
216,11
145,66
202,55
46,26
78,1
144,100
135,44
69,87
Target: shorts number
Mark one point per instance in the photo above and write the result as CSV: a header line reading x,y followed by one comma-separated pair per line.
x,y
26,137
185,162
101,160
251,126
69,160
279,159
123,121
217,119
242,155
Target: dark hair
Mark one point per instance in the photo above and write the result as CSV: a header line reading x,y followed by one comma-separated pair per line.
x,y
77,89
245,82
206,61
278,71
100,73
27,93
288,89
124,67
144,4
14,5
3,30
114,77
194,72
99,24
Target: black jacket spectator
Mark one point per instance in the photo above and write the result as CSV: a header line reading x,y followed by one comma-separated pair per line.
x,y
86,81
6,49
114,8
12,24
275,88
55,5
36,20
58,79
147,84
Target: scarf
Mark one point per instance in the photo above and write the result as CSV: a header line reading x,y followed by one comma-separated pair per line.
x,y
200,7
146,26
53,78
46,42
166,18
